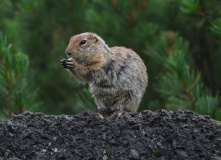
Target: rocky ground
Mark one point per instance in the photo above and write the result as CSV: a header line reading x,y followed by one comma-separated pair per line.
x,y
108,134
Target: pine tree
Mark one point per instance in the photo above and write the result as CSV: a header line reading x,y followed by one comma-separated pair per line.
x,y
15,96
216,26
179,84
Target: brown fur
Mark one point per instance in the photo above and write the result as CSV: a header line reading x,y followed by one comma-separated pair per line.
x,y
117,76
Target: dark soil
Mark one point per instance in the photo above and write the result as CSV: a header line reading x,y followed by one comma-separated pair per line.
x,y
108,134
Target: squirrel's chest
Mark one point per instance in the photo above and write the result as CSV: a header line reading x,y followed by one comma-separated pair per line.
x,y
102,89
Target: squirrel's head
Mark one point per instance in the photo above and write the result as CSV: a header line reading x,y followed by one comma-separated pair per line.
x,y
86,48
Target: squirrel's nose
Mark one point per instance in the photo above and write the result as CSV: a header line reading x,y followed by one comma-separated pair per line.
x,y
68,52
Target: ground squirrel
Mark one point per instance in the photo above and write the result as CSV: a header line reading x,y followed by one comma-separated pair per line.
x,y
117,76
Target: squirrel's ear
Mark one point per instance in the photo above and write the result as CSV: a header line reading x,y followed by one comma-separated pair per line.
x,y
95,39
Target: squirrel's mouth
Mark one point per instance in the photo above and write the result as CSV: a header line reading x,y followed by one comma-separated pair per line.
x,y
77,59
80,61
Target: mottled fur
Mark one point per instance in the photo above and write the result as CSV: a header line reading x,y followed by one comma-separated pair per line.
x,y
117,76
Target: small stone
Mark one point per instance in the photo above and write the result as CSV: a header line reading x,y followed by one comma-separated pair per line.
x,y
134,154
100,116
105,157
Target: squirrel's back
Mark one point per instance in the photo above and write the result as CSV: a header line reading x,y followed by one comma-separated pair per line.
x,y
127,80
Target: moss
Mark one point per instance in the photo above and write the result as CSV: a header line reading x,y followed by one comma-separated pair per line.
x,y
107,146
158,153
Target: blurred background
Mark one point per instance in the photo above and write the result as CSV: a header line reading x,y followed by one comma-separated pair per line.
x,y
179,41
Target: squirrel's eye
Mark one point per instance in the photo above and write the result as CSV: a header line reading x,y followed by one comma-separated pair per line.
x,y
82,42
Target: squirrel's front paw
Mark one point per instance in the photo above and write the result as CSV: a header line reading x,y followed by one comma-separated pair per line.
x,y
67,63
